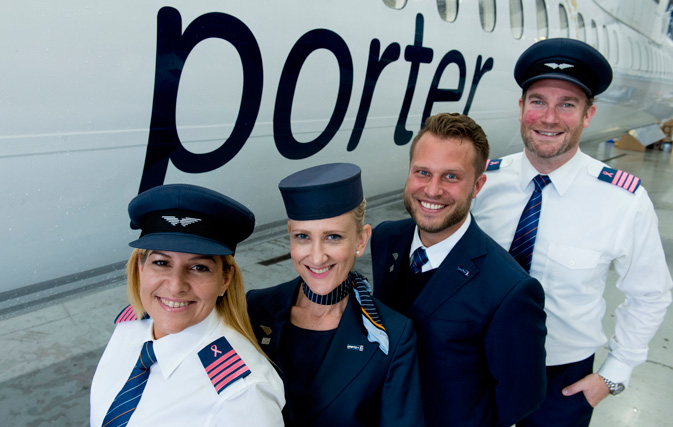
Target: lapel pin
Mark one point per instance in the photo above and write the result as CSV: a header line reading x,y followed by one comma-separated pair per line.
x,y
392,267
266,329
464,271
355,347
266,340
395,256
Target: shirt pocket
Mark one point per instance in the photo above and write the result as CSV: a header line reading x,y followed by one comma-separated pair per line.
x,y
571,266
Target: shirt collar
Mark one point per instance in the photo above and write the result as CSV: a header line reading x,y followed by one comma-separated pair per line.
x,y
172,349
561,178
437,252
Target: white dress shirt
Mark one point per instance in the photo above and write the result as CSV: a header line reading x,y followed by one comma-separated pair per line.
x,y
179,392
585,226
437,252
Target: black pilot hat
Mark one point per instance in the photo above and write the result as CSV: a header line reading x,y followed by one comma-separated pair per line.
x,y
191,219
320,192
564,59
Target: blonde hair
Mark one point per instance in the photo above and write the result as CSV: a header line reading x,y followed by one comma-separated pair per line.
x,y
359,215
232,308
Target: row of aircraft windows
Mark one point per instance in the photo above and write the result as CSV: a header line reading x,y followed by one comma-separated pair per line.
x,y
636,55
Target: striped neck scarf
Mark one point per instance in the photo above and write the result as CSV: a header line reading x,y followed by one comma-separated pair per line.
x,y
359,285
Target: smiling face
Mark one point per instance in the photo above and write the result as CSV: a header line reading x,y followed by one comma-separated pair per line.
x,y
553,114
441,184
179,290
323,251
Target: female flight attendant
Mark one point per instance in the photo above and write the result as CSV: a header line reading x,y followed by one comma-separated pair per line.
x,y
183,353
346,359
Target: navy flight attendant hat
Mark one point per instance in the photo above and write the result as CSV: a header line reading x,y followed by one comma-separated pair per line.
x,y
191,219
321,192
564,59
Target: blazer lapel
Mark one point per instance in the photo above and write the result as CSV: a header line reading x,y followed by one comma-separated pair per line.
x,y
397,245
348,354
457,269
278,316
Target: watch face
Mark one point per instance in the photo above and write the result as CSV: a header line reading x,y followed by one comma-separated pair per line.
x,y
620,388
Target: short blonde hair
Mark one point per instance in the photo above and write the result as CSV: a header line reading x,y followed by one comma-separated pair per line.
x,y
232,308
359,214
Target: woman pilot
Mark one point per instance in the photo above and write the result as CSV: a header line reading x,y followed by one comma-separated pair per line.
x,y
183,352
346,359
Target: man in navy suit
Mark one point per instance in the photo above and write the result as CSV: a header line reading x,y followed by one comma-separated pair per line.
x,y
479,317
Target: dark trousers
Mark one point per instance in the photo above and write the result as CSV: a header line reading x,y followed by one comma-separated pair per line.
x,y
558,410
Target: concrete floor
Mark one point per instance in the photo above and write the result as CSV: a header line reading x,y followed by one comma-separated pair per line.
x,y
49,354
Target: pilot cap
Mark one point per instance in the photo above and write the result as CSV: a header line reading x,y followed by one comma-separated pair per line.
x,y
321,192
564,59
191,219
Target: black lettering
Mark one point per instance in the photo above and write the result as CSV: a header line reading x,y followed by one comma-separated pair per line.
x,y
445,95
375,66
416,54
173,48
313,40
479,71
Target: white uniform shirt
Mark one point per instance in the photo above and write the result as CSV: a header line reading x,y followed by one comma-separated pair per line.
x,y
179,392
585,225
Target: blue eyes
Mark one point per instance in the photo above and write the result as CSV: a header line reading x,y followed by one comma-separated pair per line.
x,y
303,236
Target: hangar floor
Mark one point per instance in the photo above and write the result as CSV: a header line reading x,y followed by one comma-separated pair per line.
x,y
50,353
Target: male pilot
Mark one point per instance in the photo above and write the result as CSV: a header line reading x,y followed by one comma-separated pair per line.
x,y
589,217
479,317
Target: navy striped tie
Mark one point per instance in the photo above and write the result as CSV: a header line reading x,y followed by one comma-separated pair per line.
x,y
418,260
127,399
524,238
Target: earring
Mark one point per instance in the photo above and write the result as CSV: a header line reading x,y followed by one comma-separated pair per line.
x,y
222,294
357,252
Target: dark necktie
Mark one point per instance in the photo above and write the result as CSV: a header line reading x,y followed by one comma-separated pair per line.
x,y
418,260
127,399
524,238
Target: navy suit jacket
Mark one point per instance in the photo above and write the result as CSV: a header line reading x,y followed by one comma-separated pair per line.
x,y
480,323
352,387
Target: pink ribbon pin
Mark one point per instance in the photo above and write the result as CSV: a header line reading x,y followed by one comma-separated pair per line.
x,y
215,350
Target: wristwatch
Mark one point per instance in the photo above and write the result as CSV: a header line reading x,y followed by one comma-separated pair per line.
x,y
615,388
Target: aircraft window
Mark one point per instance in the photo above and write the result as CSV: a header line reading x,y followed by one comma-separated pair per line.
x,y
646,59
594,30
395,4
582,32
635,55
563,21
615,46
516,18
448,9
542,27
487,14
606,50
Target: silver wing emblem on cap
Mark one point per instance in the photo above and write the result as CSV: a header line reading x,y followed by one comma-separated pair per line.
x,y
554,65
173,220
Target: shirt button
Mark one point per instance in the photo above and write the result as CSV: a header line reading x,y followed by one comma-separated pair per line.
x,y
572,262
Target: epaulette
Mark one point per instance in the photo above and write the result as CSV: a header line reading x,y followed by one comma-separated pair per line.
x,y
222,364
493,164
128,315
620,178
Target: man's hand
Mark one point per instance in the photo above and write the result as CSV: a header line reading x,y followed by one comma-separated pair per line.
x,y
592,385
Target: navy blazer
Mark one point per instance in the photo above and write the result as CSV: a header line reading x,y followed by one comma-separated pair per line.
x,y
480,323
351,388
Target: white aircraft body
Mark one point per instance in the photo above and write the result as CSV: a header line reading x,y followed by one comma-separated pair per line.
x,y
100,100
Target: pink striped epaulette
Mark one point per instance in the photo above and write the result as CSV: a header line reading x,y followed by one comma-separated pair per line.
x,y
222,364
126,315
620,178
